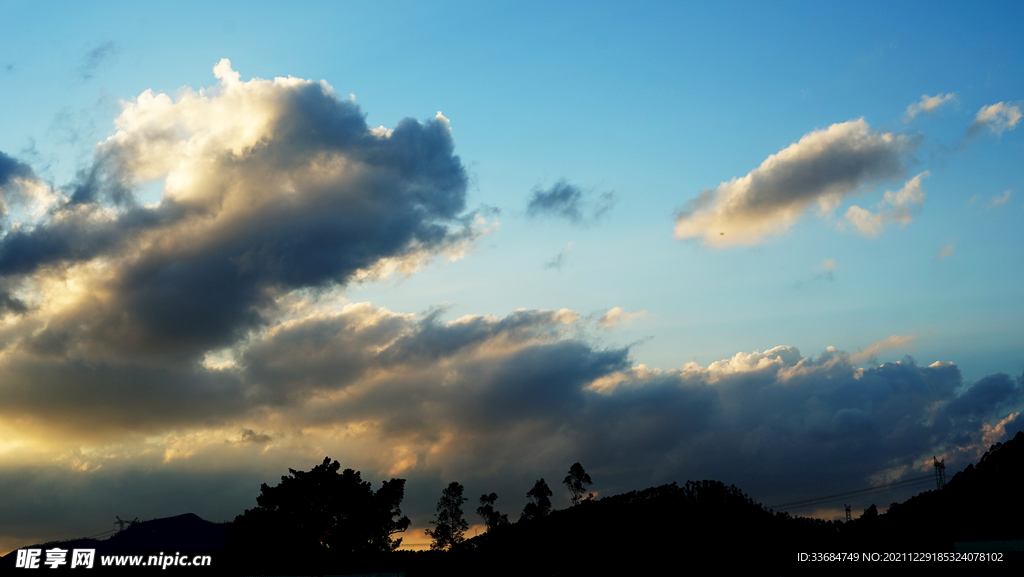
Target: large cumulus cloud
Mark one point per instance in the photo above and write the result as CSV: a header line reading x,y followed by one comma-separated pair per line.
x,y
268,186
822,168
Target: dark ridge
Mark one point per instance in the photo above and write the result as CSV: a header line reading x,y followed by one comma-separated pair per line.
x,y
186,535
705,526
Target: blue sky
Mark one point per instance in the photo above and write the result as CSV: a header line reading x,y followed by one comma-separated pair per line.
x,y
733,179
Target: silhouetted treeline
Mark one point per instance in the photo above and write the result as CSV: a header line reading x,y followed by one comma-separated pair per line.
x,y
981,503
319,520
326,521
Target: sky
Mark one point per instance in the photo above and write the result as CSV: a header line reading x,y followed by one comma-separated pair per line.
x,y
776,245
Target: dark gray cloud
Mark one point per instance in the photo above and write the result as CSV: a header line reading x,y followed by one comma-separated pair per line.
x,y
514,396
92,400
499,402
11,168
568,201
16,181
251,436
96,496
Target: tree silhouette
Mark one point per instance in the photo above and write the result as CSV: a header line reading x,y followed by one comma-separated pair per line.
x,y
450,526
577,481
540,502
486,510
322,511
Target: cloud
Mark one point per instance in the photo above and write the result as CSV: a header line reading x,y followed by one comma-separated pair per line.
x,y
928,104
898,207
559,260
828,268
269,186
11,169
568,201
617,316
196,346
821,168
999,200
870,352
497,402
998,118
20,186
946,251
95,58
250,436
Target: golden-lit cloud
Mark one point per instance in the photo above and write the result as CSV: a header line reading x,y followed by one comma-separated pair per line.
x,y
898,207
928,104
998,118
821,169
616,317
892,342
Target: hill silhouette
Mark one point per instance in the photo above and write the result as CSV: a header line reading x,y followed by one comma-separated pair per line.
x,y
187,535
983,502
668,528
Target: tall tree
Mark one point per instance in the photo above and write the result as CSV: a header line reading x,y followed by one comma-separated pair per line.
x,y
577,481
540,502
324,511
449,524
492,518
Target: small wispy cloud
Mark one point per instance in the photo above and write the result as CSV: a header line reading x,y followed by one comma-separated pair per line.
x,y
999,199
872,351
568,201
946,251
95,58
998,118
928,104
617,316
560,258
828,270
898,207
250,436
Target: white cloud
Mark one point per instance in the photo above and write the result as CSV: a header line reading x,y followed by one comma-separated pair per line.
x,y
999,199
822,168
864,221
617,316
946,251
898,207
928,104
998,117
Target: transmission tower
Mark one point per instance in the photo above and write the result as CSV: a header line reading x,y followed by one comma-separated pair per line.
x,y
940,472
847,513
122,524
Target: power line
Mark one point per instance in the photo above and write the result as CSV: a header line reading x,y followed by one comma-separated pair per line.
x,y
839,496
860,494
